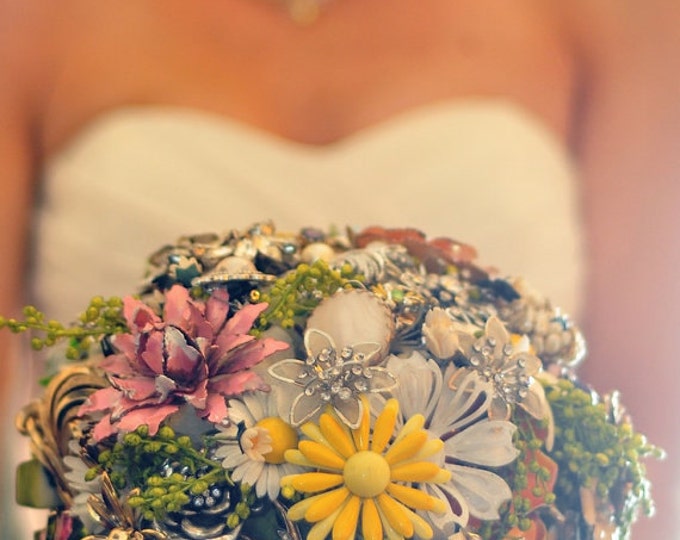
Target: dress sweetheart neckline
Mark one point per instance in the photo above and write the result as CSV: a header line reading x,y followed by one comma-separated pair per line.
x,y
400,124
470,162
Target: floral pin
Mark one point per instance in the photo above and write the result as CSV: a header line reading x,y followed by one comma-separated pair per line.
x,y
193,354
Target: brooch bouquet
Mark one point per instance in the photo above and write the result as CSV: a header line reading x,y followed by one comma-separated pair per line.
x,y
263,385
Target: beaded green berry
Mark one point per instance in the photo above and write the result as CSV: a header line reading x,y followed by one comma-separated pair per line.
x,y
295,295
599,451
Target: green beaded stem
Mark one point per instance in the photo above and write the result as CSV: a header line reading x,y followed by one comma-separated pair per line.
x,y
101,317
295,295
594,451
136,460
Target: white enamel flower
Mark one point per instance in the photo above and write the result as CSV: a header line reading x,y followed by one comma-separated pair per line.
x,y
332,376
472,442
440,333
82,489
508,364
252,446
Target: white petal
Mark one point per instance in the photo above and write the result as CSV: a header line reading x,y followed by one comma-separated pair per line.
x,y
233,458
238,412
349,410
273,482
81,508
523,345
419,384
462,405
288,370
255,404
369,349
495,330
248,473
76,476
286,469
382,380
499,409
466,340
304,408
458,513
261,484
535,403
550,436
281,400
316,341
439,334
484,491
268,482
487,443
532,364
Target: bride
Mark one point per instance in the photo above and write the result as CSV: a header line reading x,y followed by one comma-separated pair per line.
x,y
545,133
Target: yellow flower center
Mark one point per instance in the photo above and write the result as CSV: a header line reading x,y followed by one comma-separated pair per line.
x,y
366,474
283,437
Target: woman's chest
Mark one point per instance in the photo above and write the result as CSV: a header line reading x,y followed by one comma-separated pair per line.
x,y
358,65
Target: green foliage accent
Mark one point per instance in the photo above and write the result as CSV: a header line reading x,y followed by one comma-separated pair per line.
x,y
242,511
137,460
101,317
591,449
594,451
295,295
524,469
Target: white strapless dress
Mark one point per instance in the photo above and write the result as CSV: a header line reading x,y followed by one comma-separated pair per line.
x,y
483,172
480,171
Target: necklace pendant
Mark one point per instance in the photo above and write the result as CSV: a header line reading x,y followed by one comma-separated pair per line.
x,y
304,12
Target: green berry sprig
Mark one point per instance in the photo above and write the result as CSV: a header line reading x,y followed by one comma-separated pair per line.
x,y
136,461
593,451
296,294
101,317
528,477
242,509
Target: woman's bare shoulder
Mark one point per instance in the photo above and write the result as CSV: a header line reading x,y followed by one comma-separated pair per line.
x,y
611,28
59,60
27,34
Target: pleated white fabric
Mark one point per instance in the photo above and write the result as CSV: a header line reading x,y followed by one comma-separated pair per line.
x,y
480,171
